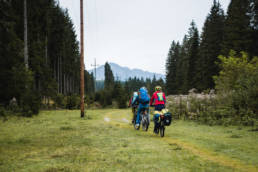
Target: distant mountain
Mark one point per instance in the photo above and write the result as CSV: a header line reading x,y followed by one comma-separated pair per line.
x,y
123,73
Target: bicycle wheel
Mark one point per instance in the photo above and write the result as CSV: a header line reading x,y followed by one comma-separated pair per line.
x,y
162,131
145,124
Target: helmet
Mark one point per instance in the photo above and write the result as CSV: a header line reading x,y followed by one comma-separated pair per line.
x,y
158,88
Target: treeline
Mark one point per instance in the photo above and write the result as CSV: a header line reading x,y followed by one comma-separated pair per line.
x,y
52,67
117,93
236,98
193,62
223,58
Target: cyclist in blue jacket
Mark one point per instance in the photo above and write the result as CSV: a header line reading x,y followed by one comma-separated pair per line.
x,y
143,99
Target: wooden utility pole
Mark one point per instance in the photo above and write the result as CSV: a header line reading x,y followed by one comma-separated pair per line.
x,y
82,61
26,54
95,70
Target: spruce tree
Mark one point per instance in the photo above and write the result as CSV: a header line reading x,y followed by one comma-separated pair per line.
x,y
109,77
182,66
211,45
237,34
171,68
253,14
53,53
193,55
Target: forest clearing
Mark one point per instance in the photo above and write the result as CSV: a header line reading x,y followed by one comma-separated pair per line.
x,y
193,62
106,141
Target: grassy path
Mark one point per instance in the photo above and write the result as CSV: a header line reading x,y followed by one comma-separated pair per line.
x,y
61,141
203,153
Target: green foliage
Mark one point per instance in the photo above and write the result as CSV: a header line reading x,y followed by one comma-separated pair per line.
x,y
210,47
120,95
109,77
182,65
237,31
253,14
237,82
72,102
195,64
2,112
236,100
106,98
171,68
60,101
54,65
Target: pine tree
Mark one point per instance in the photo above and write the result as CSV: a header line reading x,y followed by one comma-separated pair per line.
x,y
119,94
182,67
53,53
253,14
193,55
211,45
237,34
109,77
171,68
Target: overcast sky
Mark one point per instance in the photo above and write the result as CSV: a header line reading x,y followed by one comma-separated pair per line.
x,y
135,33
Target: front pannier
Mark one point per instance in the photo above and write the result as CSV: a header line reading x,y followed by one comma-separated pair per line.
x,y
168,118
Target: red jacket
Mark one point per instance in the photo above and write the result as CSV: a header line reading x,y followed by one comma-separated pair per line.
x,y
158,98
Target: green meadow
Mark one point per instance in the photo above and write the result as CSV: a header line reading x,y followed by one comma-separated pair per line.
x,y
106,141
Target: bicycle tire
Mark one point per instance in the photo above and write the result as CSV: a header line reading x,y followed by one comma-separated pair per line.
x,y
162,130
145,125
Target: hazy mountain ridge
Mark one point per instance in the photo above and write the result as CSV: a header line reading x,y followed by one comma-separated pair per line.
x,y
123,73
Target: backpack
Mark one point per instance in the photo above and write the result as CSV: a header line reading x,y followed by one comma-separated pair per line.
x,y
144,98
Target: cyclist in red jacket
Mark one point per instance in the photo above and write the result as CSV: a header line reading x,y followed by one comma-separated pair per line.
x,y
159,100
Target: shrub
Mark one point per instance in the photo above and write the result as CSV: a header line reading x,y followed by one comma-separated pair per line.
x,y
72,102
60,101
105,98
30,103
2,112
237,86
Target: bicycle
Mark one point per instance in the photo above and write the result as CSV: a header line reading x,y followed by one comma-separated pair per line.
x,y
144,114
165,119
145,120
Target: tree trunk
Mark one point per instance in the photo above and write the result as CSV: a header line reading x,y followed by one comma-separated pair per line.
x,y
46,50
58,74
61,76
26,54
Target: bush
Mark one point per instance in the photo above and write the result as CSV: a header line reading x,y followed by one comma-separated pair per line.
x,y
89,99
237,86
122,101
72,102
30,103
2,112
105,98
60,101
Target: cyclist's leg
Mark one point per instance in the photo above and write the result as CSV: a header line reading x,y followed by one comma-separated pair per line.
x,y
138,114
148,112
133,111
